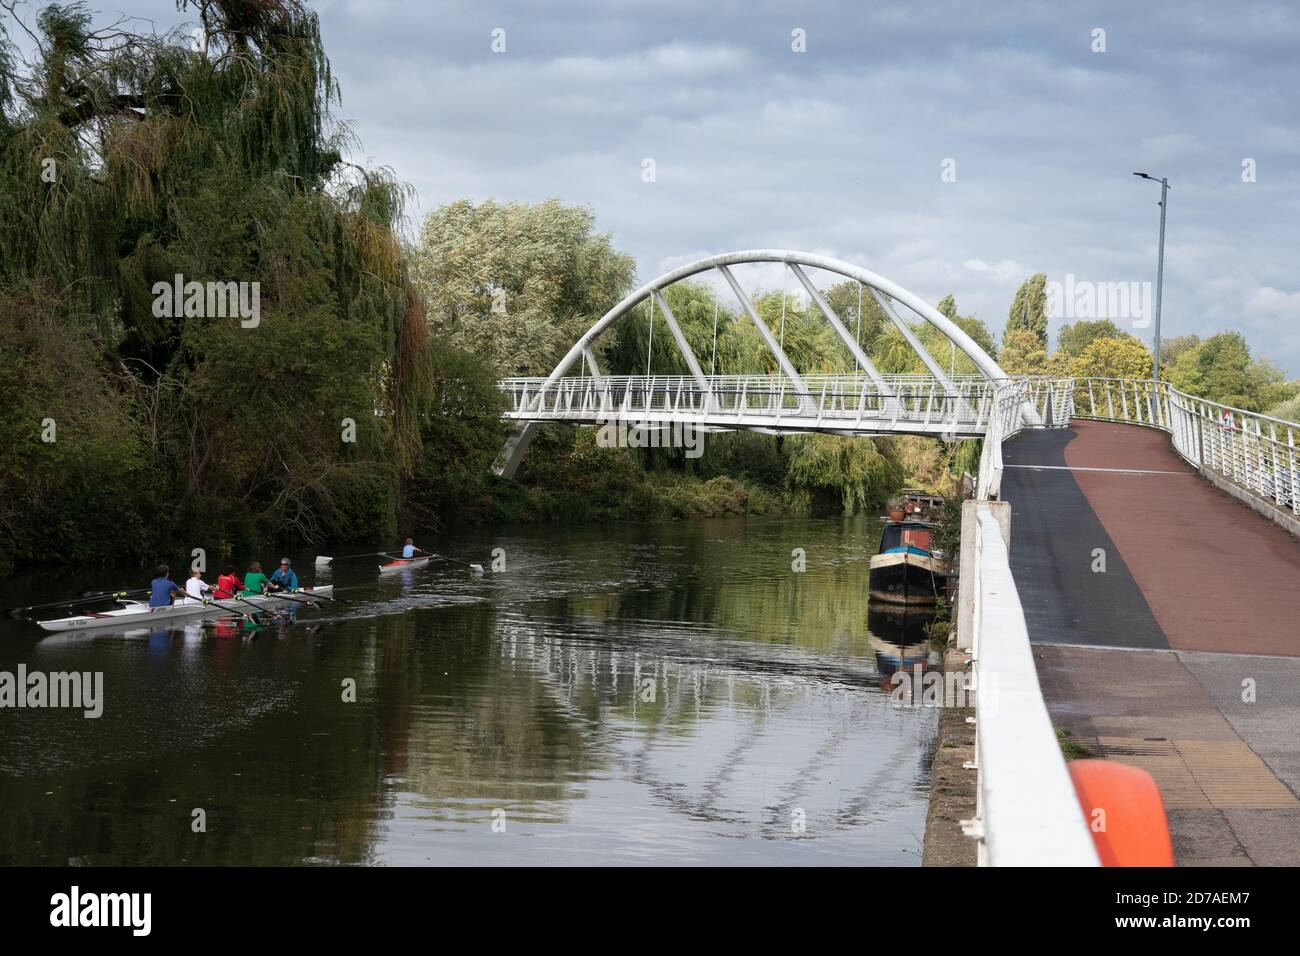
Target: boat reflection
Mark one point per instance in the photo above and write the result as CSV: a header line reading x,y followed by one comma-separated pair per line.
x,y
900,641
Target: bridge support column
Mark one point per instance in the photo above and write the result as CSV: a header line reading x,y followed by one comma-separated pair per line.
x,y
512,454
968,584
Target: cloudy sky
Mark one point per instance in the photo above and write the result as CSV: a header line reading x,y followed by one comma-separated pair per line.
x,y
842,149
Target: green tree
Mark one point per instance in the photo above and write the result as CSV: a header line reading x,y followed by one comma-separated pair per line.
x,y
1029,309
1023,353
896,354
1073,338
1172,348
1220,368
1119,356
517,283
854,473
844,298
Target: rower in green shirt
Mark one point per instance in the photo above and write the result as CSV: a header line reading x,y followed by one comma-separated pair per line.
x,y
255,582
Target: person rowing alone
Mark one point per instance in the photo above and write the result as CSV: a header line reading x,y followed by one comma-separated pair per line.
x,y
409,550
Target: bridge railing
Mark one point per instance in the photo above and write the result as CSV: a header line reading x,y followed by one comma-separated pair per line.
x,y
851,402
1252,451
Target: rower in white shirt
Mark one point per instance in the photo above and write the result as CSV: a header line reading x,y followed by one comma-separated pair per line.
x,y
196,587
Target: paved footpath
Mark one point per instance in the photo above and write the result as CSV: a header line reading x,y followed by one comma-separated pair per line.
x,y
1181,656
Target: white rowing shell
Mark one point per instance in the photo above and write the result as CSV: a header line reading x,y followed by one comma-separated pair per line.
x,y
139,612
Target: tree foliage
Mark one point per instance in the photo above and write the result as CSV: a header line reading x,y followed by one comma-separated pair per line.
x,y
1220,368
1029,309
1073,338
1023,353
1119,356
517,283
129,158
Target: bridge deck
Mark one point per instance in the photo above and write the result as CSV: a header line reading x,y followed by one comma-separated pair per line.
x,y
1148,662
1187,566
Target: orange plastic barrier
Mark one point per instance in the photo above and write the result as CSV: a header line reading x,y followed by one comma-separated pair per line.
x,y
1124,812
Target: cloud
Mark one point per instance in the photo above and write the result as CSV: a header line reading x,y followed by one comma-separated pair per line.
x,y
1007,270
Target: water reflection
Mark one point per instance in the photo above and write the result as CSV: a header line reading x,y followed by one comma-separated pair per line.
x,y
661,694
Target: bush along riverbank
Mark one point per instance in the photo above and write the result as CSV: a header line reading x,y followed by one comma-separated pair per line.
x,y
568,475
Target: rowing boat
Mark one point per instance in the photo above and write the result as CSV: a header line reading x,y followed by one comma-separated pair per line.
x,y
139,612
403,564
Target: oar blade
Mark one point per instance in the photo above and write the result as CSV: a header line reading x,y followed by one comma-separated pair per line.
x,y
323,561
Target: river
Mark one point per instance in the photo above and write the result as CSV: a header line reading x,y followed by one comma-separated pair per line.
x,y
669,693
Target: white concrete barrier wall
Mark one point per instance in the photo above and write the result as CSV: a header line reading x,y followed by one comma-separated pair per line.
x,y
1028,813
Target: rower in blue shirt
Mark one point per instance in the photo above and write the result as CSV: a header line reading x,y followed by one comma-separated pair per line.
x,y
284,579
409,549
162,588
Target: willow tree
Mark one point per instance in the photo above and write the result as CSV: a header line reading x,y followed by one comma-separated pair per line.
x,y
131,158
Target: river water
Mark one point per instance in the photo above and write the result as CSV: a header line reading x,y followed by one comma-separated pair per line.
x,y
640,694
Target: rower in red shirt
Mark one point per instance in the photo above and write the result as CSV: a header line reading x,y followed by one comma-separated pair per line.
x,y
228,584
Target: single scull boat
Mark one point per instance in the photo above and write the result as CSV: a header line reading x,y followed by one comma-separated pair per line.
x,y
403,564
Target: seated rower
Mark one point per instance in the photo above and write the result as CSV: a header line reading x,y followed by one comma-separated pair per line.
x,y
196,587
409,549
228,584
162,589
284,579
255,582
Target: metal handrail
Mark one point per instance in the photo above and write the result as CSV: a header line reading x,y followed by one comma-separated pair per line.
x,y
1256,452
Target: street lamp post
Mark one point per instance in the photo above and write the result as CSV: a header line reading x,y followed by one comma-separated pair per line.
x,y
1160,271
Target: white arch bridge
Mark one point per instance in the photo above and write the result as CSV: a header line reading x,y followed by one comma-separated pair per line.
x,y
864,402
1027,809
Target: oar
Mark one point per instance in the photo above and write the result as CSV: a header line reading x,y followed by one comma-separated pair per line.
x,y
244,614
17,612
324,560
284,596
115,594
476,568
259,610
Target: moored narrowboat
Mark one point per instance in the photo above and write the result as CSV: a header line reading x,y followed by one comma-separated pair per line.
x,y
908,570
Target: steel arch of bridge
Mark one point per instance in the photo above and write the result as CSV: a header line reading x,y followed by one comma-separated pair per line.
x,y
703,398
879,286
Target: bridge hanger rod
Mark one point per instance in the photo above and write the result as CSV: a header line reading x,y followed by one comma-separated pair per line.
x,y
935,368
682,345
590,357
849,341
782,359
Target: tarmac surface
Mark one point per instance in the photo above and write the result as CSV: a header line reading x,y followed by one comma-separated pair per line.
x,y
1166,622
